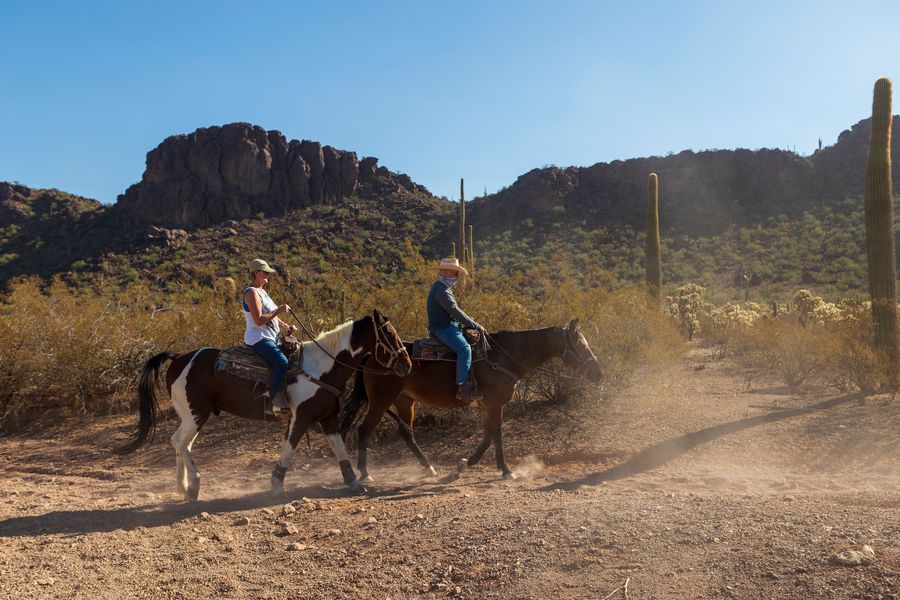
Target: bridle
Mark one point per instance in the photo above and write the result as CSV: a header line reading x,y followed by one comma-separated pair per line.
x,y
584,362
381,344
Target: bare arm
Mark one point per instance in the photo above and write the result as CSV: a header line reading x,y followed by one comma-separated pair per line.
x,y
260,318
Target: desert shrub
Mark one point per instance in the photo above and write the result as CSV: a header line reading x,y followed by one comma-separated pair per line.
x,y
82,349
853,361
785,350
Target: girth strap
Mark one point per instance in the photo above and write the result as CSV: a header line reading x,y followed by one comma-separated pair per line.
x,y
325,386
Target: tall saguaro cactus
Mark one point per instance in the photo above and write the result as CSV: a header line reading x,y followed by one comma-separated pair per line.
x,y
653,264
880,227
470,246
463,255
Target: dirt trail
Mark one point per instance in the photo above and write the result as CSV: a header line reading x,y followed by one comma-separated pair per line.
x,y
688,487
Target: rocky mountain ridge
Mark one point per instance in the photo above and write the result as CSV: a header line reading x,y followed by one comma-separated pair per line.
x,y
244,173
701,193
239,170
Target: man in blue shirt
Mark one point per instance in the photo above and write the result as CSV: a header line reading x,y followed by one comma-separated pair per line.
x,y
445,322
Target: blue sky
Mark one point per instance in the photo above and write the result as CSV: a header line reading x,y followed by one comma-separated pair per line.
x,y
482,90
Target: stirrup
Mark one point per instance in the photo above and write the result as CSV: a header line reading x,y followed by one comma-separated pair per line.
x,y
273,409
465,392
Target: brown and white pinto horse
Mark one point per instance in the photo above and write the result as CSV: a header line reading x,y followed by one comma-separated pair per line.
x,y
512,356
198,390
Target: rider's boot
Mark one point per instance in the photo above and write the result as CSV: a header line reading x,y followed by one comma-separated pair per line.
x,y
278,406
468,395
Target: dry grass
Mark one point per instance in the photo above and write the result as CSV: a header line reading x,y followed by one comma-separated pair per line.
x,y
81,350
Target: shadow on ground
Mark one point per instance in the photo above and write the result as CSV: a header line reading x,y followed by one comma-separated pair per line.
x,y
85,521
668,450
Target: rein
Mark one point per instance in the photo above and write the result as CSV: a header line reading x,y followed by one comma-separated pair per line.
x,y
379,344
582,362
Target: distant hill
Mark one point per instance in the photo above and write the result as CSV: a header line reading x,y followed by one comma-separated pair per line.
x,y
226,192
701,193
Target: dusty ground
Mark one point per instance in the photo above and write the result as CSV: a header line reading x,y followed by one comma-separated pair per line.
x,y
688,487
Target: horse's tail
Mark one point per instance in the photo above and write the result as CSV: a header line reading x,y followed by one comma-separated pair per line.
x,y
148,404
356,402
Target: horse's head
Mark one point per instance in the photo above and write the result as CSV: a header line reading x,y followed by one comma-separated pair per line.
x,y
578,355
389,349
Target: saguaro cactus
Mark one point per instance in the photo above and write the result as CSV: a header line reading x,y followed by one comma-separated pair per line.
x,y
470,245
463,257
880,227
653,264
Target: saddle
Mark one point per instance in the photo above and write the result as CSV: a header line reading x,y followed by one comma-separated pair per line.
x,y
431,348
244,363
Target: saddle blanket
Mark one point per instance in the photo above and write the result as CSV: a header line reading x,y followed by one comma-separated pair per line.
x,y
431,349
244,363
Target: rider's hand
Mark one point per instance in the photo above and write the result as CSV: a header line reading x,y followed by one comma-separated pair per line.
x,y
291,329
282,309
481,329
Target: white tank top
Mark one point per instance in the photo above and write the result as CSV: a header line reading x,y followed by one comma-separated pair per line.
x,y
255,333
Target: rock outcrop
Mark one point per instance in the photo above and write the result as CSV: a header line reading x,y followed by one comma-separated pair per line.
x,y
239,170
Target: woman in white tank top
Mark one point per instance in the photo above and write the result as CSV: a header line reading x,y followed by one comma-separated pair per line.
x,y
261,333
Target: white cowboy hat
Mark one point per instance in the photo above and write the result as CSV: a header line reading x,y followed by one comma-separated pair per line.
x,y
452,264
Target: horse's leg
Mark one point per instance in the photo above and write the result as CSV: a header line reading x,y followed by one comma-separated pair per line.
x,y
300,422
180,470
406,412
188,478
465,463
381,391
498,449
491,423
194,409
332,428
373,417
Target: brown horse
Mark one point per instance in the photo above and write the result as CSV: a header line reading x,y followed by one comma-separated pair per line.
x,y
198,389
512,356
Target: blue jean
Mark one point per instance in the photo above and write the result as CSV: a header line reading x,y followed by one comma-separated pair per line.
x,y
453,337
270,351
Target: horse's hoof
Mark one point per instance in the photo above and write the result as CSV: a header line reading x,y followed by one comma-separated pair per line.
x,y
366,478
278,492
462,465
432,472
510,476
193,492
357,487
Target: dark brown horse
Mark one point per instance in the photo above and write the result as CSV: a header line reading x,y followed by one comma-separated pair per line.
x,y
512,356
198,389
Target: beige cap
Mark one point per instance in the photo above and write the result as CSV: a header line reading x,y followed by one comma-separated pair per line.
x,y
451,264
258,264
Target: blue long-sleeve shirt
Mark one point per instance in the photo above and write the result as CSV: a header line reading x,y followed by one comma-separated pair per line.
x,y
443,311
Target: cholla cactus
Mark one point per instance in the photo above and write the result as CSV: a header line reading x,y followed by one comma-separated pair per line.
x,y
688,303
806,304
815,310
730,316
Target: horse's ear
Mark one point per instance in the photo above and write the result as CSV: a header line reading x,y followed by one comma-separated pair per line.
x,y
574,324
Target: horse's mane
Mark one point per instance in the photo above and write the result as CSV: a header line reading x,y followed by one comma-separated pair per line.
x,y
330,339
